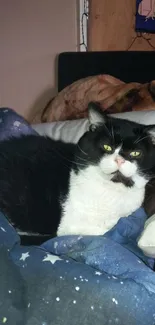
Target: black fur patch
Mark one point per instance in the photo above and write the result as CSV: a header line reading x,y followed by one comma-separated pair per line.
x,y
119,178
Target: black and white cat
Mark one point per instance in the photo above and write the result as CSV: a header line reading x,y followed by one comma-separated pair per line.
x,y
51,187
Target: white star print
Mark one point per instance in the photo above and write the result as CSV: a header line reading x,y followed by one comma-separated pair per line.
x,y
57,299
98,273
24,256
51,258
16,123
77,288
3,229
4,320
115,301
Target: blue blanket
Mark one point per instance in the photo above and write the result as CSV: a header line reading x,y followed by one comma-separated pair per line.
x,y
75,280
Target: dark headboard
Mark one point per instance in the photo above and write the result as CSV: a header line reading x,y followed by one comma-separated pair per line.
x,y
128,66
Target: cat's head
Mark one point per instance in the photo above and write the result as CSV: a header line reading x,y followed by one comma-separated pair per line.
x,y
119,148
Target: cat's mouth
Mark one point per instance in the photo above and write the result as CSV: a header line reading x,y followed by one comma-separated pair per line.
x,y
120,178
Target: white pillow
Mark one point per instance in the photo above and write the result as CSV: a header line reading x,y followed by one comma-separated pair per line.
x,y
71,131
147,239
68,131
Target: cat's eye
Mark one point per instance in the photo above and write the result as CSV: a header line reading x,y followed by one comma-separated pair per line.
x,y
107,147
135,154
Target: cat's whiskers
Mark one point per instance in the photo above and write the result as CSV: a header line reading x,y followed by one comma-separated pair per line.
x,y
82,150
150,185
107,129
74,162
140,139
80,158
112,131
137,139
144,169
71,161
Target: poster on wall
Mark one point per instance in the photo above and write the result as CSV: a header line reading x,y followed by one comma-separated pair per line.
x,y
145,16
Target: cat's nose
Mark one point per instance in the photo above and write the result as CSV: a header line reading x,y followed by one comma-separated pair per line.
x,y
119,160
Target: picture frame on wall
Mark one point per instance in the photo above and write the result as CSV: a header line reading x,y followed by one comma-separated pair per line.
x,y
145,16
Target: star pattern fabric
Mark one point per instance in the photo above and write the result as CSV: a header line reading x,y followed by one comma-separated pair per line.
x,y
13,124
24,256
51,258
74,280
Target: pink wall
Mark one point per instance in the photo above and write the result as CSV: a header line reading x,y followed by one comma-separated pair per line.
x,y
32,33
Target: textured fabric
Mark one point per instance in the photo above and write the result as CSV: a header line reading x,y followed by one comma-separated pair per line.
x,y
13,295
79,280
127,66
12,124
113,96
76,280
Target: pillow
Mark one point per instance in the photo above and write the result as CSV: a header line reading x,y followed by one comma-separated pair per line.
x,y
68,131
71,131
146,241
112,95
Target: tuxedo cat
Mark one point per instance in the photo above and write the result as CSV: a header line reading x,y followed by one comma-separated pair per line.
x,y
52,188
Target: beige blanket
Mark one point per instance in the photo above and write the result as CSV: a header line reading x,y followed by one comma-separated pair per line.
x,y
112,94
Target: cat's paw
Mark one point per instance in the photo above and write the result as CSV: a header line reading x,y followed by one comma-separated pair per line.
x,y
146,241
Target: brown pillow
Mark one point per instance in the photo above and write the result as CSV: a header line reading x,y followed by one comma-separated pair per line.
x,y
112,94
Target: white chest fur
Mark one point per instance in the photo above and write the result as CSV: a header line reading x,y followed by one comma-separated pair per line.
x,y
94,204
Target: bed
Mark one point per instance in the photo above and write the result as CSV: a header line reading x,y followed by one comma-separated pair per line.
x,y
74,279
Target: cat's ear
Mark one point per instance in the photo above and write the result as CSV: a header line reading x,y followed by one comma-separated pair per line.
x,y
151,131
95,116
